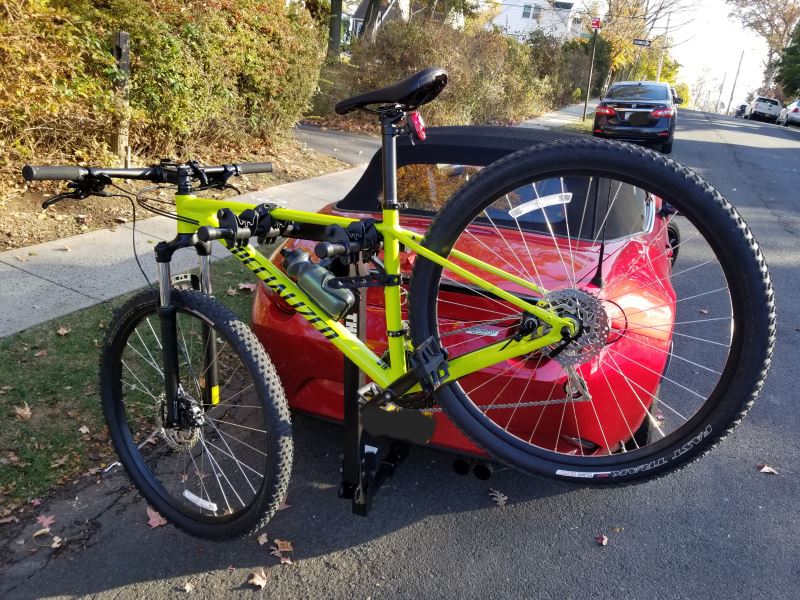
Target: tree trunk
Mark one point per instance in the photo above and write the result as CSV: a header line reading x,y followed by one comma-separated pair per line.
x,y
335,30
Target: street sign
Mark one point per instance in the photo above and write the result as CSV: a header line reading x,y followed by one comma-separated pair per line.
x,y
596,23
638,42
586,36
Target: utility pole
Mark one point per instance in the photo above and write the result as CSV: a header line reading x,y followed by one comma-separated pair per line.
x,y
664,49
719,97
591,70
735,79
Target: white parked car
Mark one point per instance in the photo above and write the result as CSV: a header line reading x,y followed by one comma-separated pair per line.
x,y
790,114
763,108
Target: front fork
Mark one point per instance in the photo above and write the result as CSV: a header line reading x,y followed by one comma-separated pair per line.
x,y
167,316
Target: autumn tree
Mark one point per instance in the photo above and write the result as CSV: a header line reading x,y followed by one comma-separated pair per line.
x,y
774,21
626,20
787,69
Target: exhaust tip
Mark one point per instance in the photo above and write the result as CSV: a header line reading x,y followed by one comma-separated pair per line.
x,y
482,471
461,466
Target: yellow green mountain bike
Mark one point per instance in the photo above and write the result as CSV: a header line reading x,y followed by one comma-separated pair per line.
x,y
554,313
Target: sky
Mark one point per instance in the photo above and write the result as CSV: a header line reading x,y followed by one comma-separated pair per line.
x,y
715,42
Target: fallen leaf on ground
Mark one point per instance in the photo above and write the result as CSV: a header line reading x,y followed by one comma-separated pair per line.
x,y
258,579
602,540
42,531
764,468
56,542
41,353
659,415
83,429
21,258
499,498
188,587
284,506
61,461
703,311
263,539
23,413
617,529
155,519
232,292
11,519
36,502
250,287
62,331
280,547
120,220
45,520
66,249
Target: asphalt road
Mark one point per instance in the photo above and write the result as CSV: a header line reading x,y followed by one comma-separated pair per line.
x,y
716,529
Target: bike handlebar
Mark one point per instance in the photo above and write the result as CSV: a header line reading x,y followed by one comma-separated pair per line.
x,y
156,174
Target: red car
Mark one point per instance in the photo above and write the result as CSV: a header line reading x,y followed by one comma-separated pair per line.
x,y
637,299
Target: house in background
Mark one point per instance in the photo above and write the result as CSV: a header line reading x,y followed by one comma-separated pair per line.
x,y
558,19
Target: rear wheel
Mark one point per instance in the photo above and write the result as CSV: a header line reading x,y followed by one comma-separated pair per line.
x,y
667,361
225,469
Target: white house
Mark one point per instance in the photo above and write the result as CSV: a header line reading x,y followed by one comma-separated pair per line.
x,y
520,17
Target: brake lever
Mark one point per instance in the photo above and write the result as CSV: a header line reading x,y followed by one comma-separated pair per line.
x,y
90,186
58,198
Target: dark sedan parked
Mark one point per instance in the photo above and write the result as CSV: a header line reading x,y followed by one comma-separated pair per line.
x,y
638,111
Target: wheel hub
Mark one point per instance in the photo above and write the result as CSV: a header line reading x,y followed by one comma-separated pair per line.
x,y
185,436
588,311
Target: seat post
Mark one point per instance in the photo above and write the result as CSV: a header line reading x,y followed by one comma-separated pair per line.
x,y
389,133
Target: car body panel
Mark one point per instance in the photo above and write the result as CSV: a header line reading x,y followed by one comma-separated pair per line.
x,y
763,108
791,113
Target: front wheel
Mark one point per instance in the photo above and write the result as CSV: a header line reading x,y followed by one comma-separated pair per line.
x,y
224,470
682,350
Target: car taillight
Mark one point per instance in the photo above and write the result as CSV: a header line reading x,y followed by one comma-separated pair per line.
x,y
666,113
605,111
795,109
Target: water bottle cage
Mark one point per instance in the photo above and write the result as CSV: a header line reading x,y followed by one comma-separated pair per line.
x,y
378,278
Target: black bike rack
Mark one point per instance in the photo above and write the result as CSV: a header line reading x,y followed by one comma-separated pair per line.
x,y
363,472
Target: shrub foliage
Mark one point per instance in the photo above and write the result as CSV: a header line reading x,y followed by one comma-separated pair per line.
x,y
205,75
493,77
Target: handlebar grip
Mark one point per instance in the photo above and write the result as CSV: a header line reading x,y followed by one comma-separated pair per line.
x,y
255,167
69,173
208,234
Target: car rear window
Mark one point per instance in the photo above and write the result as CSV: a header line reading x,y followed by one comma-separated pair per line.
x,y
769,101
426,188
638,91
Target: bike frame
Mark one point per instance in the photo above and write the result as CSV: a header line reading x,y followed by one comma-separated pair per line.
x,y
195,212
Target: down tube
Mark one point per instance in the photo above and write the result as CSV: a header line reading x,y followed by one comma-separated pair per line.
x,y
335,332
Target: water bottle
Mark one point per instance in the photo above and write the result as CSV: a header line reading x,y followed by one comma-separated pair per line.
x,y
312,277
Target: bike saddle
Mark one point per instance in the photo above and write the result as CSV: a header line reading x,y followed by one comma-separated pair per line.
x,y
410,93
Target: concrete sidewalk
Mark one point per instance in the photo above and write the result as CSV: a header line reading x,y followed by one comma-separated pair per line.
x,y
563,116
50,280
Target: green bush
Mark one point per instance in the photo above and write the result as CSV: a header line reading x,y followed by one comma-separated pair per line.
x,y
207,76
491,78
